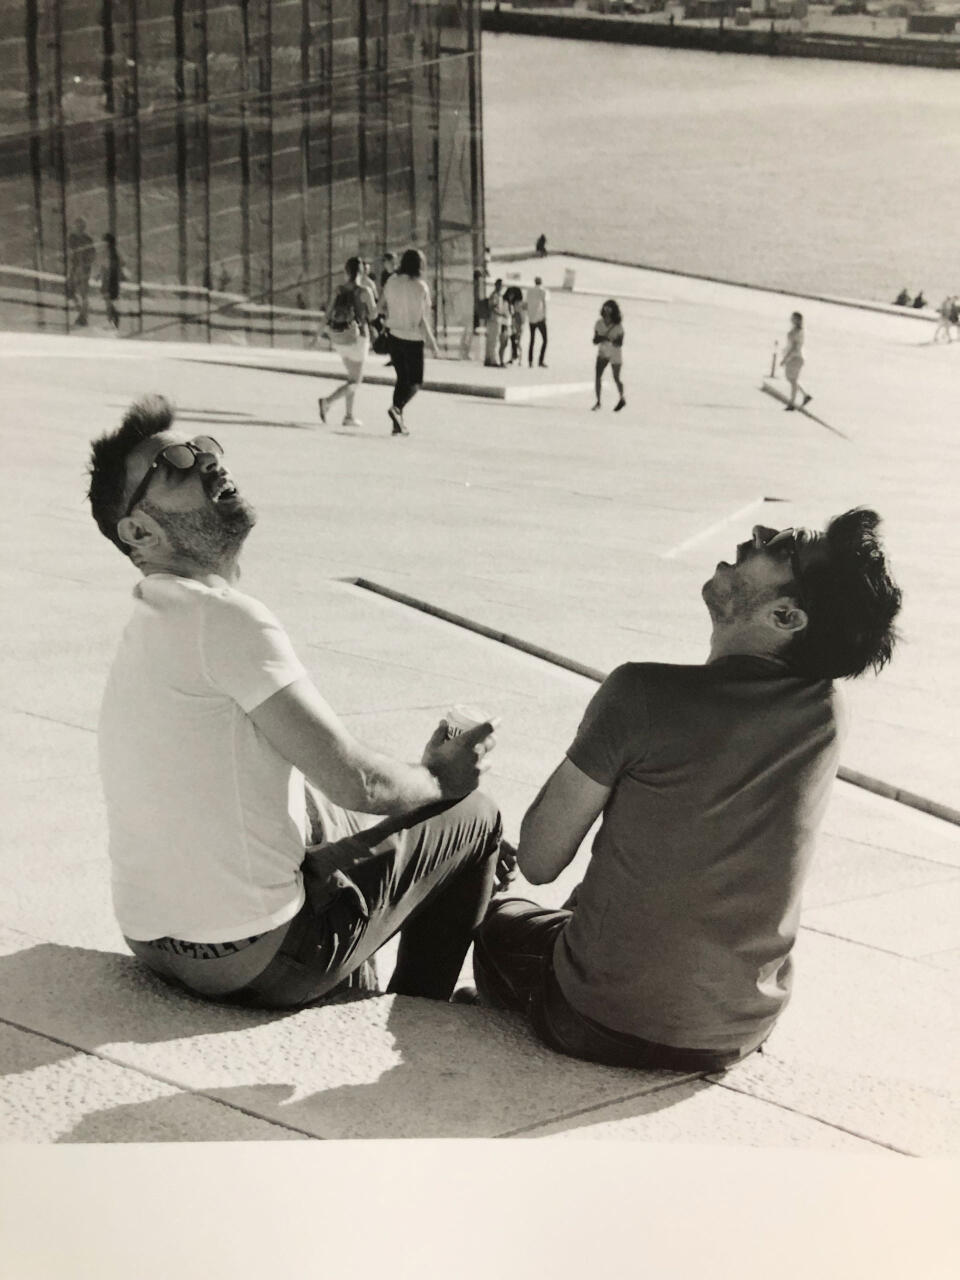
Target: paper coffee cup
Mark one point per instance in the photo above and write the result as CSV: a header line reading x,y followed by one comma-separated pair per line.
x,y
460,718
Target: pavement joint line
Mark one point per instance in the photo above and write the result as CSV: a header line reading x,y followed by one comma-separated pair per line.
x,y
796,1111
38,715
711,529
676,1078
778,395
936,809
160,1079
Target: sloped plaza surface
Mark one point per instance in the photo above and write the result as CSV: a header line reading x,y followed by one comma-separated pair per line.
x,y
587,535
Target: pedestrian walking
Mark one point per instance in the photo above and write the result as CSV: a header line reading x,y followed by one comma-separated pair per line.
x,y
81,254
608,339
537,319
405,307
348,328
792,361
111,273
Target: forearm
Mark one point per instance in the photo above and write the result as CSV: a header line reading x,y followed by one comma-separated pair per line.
x,y
371,782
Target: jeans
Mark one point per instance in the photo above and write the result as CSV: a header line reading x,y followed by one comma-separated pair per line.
x,y
534,326
513,969
427,874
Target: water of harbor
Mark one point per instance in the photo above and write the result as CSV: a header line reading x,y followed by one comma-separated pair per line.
x,y
795,173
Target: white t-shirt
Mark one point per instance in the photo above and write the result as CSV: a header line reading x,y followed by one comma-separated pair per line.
x,y
536,304
206,820
405,302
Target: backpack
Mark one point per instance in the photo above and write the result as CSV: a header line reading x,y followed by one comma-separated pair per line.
x,y
343,312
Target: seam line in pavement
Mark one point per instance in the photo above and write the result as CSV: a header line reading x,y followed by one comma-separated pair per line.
x,y
160,1079
945,812
830,1124
602,1106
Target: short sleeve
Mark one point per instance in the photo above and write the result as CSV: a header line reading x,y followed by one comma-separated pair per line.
x,y
615,729
246,652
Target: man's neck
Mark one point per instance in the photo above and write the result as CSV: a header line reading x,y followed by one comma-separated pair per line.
x,y
726,643
228,569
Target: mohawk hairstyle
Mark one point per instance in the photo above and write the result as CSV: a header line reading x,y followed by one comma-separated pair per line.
x,y
108,461
852,603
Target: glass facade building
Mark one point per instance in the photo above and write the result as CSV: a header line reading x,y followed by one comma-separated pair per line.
x,y
237,152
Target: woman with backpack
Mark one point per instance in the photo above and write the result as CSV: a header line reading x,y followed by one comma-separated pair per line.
x,y
405,307
348,327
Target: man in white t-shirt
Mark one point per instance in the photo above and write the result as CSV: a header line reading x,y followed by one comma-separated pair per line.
x,y
230,876
536,301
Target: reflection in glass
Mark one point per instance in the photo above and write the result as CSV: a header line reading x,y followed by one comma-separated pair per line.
x,y
199,170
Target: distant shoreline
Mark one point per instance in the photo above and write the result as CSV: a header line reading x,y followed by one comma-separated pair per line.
x,y
767,41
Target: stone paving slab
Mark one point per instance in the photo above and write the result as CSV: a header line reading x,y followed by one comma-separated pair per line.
x,y
52,1093
380,1067
695,1112
869,1044
909,921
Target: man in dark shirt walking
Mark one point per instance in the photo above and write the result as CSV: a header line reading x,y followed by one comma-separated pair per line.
x,y
711,780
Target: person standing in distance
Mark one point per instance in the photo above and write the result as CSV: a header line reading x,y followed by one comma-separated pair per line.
x,y
537,319
608,339
405,307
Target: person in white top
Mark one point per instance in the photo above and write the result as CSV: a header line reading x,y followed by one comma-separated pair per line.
x,y
792,361
405,306
537,319
230,875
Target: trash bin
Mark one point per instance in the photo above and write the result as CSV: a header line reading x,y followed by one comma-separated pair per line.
x,y
569,278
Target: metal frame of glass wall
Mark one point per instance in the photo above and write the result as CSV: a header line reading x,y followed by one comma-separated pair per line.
x,y
238,151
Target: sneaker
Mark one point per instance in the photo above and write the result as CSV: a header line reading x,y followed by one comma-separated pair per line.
x,y
619,405
543,366
465,995
352,422
396,417
596,406
805,401
789,408
322,406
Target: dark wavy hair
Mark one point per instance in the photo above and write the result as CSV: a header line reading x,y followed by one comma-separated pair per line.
x,y
613,307
411,264
108,461
851,601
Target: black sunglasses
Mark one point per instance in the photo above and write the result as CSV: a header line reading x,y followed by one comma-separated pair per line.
x,y
787,544
179,457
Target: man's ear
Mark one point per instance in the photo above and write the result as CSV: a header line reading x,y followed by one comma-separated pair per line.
x,y
139,533
787,616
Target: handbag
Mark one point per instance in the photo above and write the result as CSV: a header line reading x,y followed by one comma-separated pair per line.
x,y
381,337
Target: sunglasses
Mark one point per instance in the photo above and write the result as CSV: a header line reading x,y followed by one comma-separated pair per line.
x,y
178,457
786,545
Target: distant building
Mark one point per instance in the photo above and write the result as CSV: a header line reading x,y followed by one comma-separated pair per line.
x,y
256,141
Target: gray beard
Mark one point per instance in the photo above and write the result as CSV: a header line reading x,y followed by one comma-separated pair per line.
x,y
208,536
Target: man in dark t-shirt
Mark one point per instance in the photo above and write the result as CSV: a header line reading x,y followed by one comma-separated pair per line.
x,y
711,781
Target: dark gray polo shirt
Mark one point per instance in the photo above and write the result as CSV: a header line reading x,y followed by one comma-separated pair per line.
x,y
690,905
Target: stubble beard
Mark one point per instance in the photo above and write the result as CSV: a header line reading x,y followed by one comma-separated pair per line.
x,y
209,536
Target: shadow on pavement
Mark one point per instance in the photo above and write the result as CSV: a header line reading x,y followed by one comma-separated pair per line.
x,y
401,1067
